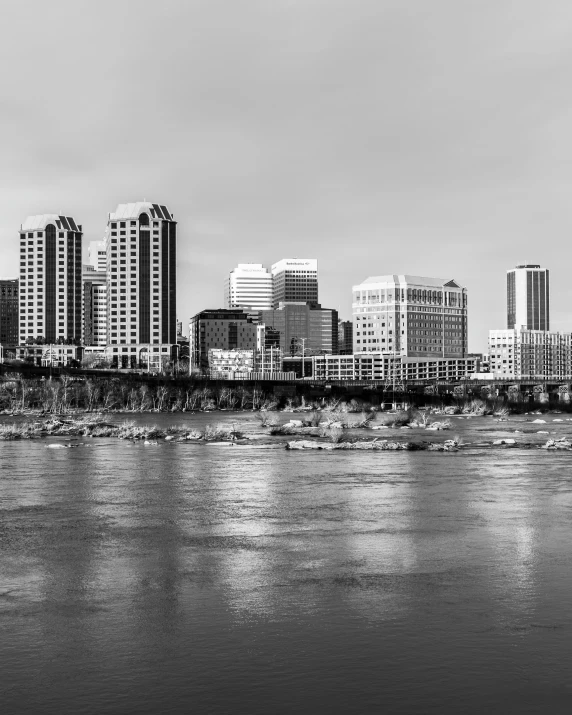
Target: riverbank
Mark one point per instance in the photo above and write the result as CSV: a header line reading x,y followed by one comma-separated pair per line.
x,y
328,407
67,394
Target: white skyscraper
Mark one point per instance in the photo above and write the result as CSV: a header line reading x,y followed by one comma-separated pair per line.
x,y
248,286
141,281
528,297
97,253
50,279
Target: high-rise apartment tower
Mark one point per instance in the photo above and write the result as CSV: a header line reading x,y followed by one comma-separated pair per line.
x,y
50,279
528,298
295,280
141,276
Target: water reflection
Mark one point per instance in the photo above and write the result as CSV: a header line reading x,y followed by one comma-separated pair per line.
x,y
508,502
218,573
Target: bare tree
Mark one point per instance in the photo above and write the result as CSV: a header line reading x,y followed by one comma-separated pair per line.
x,y
162,394
144,398
92,393
65,382
109,400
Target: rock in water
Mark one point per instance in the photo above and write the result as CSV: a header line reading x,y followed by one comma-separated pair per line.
x,y
561,443
447,446
303,444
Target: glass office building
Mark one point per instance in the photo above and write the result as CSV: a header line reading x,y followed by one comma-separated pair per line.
x,y
9,309
303,328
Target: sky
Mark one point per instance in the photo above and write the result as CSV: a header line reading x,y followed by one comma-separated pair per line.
x,y
429,137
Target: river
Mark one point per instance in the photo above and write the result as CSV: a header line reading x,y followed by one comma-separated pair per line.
x,y
184,578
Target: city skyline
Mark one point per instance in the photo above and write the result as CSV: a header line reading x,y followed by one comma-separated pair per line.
x,y
430,141
91,258
134,300
476,343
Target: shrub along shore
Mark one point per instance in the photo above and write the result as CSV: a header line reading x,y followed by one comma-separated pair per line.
x,y
24,395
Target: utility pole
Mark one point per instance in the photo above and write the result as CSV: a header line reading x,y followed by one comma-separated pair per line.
x,y
303,341
393,371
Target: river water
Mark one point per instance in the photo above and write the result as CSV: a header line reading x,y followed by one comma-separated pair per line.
x,y
198,578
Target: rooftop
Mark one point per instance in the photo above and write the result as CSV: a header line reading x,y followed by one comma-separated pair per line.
x,y
309,264
133,211
37,223
411,280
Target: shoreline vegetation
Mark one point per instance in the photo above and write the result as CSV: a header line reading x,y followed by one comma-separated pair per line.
x,y
67,395
326,429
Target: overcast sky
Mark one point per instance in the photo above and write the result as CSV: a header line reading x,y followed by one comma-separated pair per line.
x,y
431,137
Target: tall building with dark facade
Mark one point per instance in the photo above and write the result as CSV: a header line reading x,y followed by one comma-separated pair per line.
x,y
295,280
528,298
141,280
9,308
345,337
303,328
225,329
50,279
